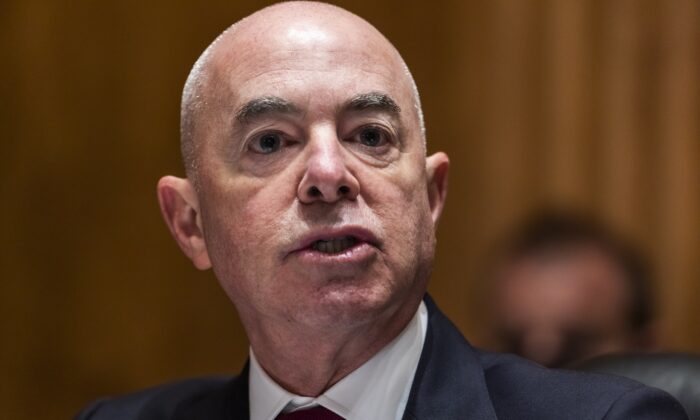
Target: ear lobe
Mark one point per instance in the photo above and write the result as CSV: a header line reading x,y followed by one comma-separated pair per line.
x,y
180,208
437,166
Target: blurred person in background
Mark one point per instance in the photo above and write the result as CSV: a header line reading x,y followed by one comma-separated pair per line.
x,y
566,289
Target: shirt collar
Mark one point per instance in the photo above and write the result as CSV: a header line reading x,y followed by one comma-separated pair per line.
x,y
377,389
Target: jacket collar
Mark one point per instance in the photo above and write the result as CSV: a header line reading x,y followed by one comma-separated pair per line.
x,y
449,382
229,402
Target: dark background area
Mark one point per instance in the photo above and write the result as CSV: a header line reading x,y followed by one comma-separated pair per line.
x,y
592,105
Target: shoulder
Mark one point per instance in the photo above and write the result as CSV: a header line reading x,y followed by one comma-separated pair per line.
x,y
453,372
161,402
522,389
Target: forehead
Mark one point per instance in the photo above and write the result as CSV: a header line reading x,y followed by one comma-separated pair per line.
x,y
309,65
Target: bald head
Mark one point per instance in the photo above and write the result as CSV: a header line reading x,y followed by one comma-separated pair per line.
x,y
309,192
260,44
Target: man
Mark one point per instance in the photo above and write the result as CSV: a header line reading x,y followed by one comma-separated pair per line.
x,y
567,289
309,194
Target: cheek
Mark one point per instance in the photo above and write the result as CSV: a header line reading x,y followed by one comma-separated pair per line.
x,y
407,220
242,231
253,208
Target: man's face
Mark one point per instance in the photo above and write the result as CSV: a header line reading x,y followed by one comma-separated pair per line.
x,y
313,193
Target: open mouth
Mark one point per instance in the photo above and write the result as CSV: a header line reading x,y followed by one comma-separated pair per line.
x,y
334,246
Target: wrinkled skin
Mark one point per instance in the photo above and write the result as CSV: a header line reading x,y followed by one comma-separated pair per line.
x,y
271,184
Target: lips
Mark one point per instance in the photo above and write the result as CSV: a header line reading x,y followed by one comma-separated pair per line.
x,y
335,241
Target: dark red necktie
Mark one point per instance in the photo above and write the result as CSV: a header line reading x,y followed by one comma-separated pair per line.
x,y
313,413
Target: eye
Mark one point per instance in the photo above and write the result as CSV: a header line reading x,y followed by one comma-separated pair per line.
x,y
372,137
373,140
267,143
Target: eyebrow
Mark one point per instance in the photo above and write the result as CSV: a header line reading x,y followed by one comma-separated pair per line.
x,y
373,101
255,108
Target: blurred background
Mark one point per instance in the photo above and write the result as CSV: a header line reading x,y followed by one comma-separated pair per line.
x,y
587,105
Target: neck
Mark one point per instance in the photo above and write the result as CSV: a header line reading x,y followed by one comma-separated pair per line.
x,y
308,361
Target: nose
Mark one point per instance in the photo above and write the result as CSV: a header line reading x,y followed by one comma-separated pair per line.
x,y
327,177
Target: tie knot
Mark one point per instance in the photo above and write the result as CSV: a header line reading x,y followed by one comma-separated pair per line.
x,y
313,413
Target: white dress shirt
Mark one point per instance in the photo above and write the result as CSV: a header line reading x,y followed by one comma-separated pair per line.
x,y
376,390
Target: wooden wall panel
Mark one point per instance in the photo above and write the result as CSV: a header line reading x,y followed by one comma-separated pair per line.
x,y
679,176
590,104
567,68
619,132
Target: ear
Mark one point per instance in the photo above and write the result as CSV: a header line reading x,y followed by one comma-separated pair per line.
x,y
180,208
437,166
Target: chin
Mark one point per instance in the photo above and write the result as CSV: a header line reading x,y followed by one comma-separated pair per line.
x,y
348,305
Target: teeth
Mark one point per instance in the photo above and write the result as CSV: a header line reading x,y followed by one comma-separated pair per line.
x,y
334,246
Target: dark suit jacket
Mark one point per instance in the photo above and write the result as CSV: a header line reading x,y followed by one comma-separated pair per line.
x,y
453,381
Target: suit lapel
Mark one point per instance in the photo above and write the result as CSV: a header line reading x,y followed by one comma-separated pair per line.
x,y
449,382
237,396
229,402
